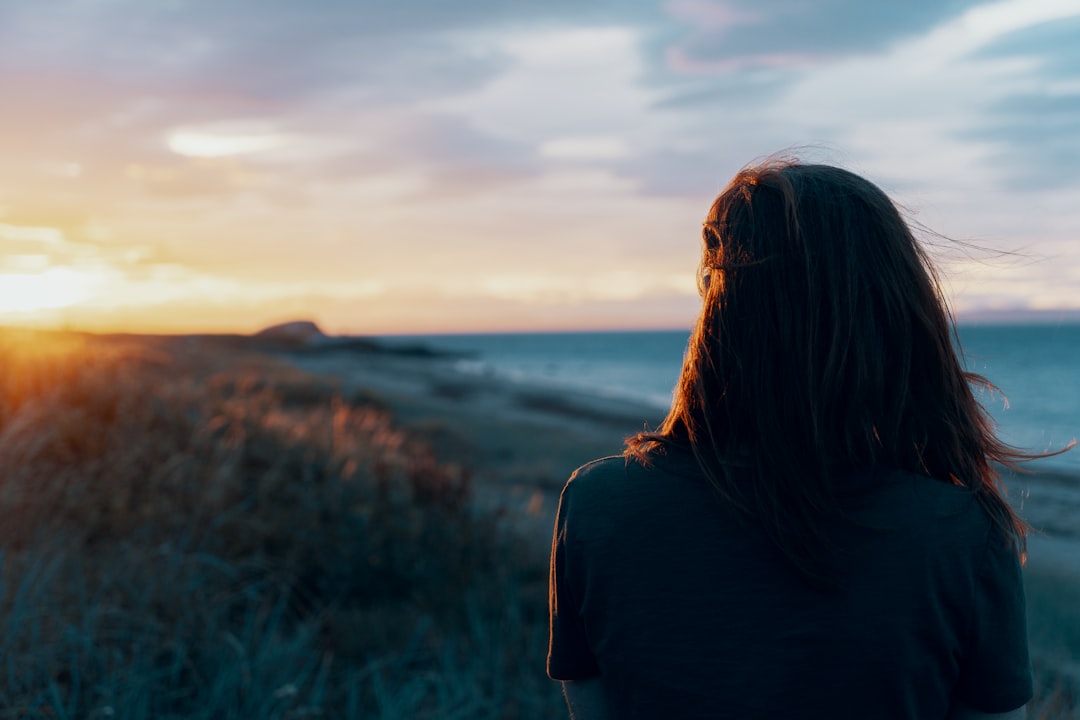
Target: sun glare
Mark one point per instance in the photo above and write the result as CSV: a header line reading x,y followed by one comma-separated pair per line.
x,y
22,293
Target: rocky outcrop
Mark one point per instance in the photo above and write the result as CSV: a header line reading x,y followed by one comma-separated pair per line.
x,y
296,333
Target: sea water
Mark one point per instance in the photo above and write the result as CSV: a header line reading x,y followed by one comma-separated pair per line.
x,y
1037,370
1036,367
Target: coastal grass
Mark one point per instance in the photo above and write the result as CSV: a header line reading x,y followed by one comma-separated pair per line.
x,y
1053,596
199,535
192,532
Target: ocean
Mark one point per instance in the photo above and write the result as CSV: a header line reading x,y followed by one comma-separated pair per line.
x,y
1037,368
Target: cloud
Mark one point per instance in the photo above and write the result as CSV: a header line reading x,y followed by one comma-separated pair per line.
x,y
1052,44
548,86
118,88
1035,139
1033,127
31,235
456,157
222,141
735,35
276,50
584,148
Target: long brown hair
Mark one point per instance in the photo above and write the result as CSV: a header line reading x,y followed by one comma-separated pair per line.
x,y
824,345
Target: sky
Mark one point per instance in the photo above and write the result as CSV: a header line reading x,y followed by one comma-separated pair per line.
x,y
423,166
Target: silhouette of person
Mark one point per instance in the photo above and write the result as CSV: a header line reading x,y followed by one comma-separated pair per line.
x,y
816,530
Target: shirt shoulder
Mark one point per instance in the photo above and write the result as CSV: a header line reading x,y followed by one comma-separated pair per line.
x,y
595,475
627,481
594,484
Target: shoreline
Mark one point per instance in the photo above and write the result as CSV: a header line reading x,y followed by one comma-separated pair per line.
x,y
522,440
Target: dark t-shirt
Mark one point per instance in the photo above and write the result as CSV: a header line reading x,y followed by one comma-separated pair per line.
x,y
686,613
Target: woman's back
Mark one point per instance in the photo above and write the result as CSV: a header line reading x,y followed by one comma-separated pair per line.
x,y
686,612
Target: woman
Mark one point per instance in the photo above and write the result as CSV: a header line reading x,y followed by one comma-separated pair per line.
x,y
816,530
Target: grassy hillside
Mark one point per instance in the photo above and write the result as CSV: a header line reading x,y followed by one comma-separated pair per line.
x,y
189,535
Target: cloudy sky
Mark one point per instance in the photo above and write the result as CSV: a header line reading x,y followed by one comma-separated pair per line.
x,y
429,166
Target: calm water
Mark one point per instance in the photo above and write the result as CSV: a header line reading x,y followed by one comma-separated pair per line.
x,y
1036,366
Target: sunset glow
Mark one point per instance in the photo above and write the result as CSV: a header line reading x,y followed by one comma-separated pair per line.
x,y
54,288
511,170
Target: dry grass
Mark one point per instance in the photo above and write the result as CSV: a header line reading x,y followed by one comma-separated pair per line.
x,y
194,535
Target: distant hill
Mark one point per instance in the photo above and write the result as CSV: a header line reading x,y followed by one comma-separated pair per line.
x,y
304,336
301,332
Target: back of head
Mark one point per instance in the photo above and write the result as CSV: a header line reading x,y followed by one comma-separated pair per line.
x,y
823,345
821,326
